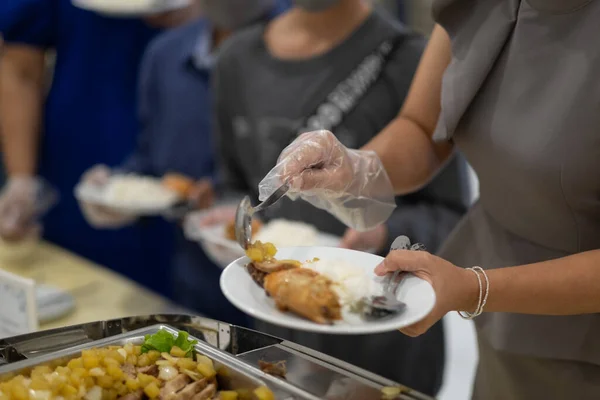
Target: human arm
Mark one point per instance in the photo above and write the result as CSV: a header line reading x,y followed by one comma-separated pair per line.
x,y
22,73
405,147
563,286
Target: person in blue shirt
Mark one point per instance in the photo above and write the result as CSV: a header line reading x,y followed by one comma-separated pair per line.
x,y
176,118
88,117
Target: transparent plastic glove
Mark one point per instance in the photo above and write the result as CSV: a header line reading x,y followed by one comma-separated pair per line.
x,y
98,216
23,201
350,184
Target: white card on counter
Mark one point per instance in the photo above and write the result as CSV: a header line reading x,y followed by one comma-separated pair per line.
x,y
18,309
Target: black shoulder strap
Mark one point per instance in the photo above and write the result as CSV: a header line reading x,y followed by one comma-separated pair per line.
x,y
347,94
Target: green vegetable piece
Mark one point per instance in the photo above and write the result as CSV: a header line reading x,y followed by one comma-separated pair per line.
x,y
163,341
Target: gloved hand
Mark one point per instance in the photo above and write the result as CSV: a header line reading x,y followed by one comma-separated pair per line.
x,y
18,213
99,216
350,184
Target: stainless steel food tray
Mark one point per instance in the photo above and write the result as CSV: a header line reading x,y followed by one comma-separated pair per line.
x,y
310,374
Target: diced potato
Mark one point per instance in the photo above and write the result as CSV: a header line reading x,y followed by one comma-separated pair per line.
x,y
145,380
207,371
69,390
143,360
128,348
264,393
121,388
131,359
177,352
228,395
115,372
244,394
186,363
19,392
153,355
105,382
152,390
389,393
90,361
201,359
75,363
132,384
137,350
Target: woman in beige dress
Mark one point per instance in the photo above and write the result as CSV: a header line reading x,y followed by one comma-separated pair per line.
x,y
515,85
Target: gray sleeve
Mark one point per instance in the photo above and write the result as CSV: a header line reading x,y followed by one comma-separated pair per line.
x,y
230,181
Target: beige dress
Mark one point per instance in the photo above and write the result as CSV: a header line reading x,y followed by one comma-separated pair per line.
x,y
521,99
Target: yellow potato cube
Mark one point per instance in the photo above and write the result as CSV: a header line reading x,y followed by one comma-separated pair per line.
x,y
152,390
186,363
128,348
68,390
114,371
137,350
207,371
203,360
143,360
75,363
105,382
264,393
228,395
19,392
145,380
153,355
177,352
132,384
90,362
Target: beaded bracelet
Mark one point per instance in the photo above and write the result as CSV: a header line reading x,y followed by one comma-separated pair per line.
x,y
483,295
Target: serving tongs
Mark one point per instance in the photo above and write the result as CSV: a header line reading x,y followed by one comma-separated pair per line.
x,y
387,304
245,211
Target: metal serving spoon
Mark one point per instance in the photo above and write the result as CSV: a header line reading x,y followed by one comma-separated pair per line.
x,y
245,211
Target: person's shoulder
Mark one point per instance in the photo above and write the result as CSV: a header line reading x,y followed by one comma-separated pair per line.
x,y
241,43
175,38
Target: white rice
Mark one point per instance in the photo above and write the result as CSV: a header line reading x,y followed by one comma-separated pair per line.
x,y
133,190
284,233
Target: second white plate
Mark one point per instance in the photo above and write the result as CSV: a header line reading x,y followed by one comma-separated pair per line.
x,y
245,294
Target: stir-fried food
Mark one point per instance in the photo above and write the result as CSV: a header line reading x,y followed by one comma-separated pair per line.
x,y
300,290
164,367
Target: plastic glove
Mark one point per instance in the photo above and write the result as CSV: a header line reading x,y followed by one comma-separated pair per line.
x,y
350,184
98,216
19,208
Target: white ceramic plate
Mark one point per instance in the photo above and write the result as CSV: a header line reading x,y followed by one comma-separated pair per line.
x,y
94,194
223,251
130,8
52,303
245,294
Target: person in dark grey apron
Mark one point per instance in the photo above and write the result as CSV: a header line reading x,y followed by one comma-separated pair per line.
x,y
520,97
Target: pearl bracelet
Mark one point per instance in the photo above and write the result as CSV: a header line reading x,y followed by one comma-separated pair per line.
x,y
483,295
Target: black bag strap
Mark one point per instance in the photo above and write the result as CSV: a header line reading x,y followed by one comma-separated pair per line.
x,y
347,94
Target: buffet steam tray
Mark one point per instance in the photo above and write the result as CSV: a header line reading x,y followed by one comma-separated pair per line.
x,y
310,375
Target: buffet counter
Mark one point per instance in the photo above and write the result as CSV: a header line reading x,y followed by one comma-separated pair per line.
x,y
99,293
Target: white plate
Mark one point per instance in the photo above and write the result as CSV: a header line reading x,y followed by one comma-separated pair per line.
x,y
128,8
245,294
223,251
52,303
94,194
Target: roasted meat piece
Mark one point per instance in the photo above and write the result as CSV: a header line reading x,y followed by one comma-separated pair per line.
x,y
273,368
259,270
306,293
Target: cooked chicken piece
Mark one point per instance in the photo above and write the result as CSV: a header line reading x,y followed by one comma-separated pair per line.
x,y
207,394
304,292
149,370
191,390
137,395
273,368
257,275
129,370
173,386
276,265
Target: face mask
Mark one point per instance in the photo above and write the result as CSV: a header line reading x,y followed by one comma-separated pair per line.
x,y
234,14
315,5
